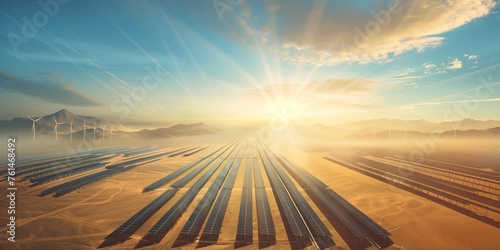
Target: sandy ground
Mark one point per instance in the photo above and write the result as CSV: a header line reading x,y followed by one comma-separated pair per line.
x,y
82,219
414,222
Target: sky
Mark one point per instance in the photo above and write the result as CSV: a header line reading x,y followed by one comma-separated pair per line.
x,y
149,63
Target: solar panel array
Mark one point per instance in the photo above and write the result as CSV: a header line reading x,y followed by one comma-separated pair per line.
x,y
214,222
70,186
122,233
193,226
303,225
267,232
57,168
194,152
167,221
298,232
163,181
316,227
364,230
110,170
182,182
244,233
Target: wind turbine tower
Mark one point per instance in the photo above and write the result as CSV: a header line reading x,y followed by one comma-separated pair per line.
x,y
33,127
84,130
71,130
55,127
103,130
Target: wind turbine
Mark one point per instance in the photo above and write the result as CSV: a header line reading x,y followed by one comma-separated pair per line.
x,y
103,130
71,130
33,127
84,130
94,131
55,127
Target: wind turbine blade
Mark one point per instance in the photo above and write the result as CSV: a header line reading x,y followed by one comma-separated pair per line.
x,y
30,117
54,118
38,119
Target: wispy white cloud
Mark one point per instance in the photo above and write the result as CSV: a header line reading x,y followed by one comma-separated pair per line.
x,y
455,64
471,57
460,101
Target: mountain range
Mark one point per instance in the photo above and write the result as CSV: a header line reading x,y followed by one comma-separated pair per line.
x,y
367,129
45,127
379,132
421,125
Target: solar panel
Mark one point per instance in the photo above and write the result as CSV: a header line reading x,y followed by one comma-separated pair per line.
x,y
163,181
182,152
86,180
244,232
59,170
318,229
194,152
265,222
291,217
182,182
123,232
167,221
193,225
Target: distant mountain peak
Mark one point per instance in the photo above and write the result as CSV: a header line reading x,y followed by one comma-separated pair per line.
x,y
63,111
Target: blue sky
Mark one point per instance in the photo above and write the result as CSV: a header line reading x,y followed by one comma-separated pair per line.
x,y
235,61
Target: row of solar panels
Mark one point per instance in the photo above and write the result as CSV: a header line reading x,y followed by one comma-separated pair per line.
x,y
163,181
165,224
65,162
316,227
27,161
301,221
354,224
423,188
244,231
193,226
110,170
213,226
299,235
65,170
157,232
445,185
